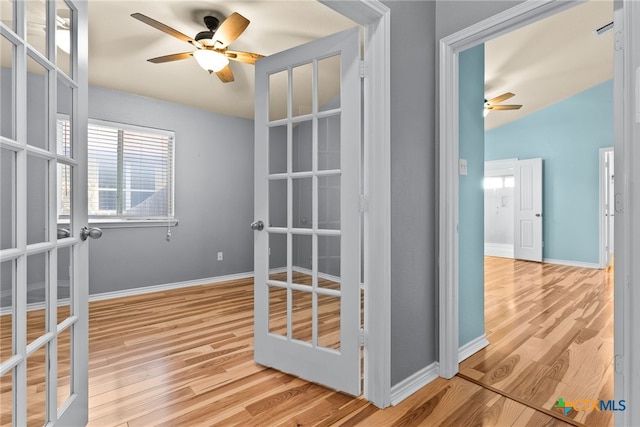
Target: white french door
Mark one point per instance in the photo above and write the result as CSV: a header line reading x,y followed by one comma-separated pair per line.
x,y
307,186
528,210
43,205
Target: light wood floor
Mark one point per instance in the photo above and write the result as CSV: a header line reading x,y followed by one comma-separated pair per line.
x,y
185,358
551,334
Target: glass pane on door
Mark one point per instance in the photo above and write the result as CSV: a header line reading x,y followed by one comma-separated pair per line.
x,y
65,282
6,399
329,321
37,26
301,315
301,146
328,84
37,200
64,366
302,97
7,293
64,31
37,295
7,199
64,119
7,81
37,387
278,95
37,104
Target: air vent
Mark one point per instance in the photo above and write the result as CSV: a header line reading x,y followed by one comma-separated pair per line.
x,y
599,32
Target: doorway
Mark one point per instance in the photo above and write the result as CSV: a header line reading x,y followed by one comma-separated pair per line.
x,y
450,47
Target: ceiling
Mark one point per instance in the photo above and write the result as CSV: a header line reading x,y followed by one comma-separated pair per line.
x,y
120,45
542,63
549,60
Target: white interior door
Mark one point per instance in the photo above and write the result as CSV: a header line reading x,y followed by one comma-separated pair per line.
x,y
307,238
528,210
43,205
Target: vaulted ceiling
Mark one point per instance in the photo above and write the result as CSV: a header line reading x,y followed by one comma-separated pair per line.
x,y
549,60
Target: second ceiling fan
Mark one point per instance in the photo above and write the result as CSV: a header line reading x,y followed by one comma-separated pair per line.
x,y
492,104
212,51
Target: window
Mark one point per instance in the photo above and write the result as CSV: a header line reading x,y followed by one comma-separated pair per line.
x,y
130,171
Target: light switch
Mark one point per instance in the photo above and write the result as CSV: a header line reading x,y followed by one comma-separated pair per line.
x,y
462,166
638,95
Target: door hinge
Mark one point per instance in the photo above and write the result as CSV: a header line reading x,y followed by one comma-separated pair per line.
x,y
619,40
361,337
619,364
619,204
364,203
363,69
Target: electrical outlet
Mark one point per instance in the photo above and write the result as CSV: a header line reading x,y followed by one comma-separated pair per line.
x,y
219,256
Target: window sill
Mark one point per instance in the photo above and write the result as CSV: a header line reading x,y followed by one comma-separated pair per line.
x,y
133,223
126,223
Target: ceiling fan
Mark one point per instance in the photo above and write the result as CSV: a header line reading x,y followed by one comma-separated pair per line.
x,y
211,51
492,103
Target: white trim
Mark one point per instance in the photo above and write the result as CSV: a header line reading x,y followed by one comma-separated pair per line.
x,y
509,20
502,250
375,17
603,183
168,286
472,347
570,263
140,291
413,383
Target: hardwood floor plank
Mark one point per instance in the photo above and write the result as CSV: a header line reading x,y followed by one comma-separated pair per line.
x,y
185,358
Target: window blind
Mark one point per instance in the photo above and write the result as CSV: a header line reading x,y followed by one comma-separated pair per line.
x,y
130,172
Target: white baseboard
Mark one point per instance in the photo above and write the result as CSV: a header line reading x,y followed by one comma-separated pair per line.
x,y
168,286
594,265
415,382
502,250
472,347
141,290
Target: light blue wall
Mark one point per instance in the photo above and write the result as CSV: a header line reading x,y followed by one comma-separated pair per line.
x,y
471,196
567,136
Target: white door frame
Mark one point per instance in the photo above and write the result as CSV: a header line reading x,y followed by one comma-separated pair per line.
x,y
604,209
627,239
375,17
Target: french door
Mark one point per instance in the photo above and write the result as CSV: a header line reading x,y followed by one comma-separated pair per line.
x,y
307,186
43,205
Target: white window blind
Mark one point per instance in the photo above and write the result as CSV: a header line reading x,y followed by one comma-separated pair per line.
x,y
130,172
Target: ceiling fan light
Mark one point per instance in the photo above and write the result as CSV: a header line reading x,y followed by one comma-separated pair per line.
x,y
63,39
210,60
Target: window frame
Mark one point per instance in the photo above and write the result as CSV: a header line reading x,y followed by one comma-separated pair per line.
x,y
118,220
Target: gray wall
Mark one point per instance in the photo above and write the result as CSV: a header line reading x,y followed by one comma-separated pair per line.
x,y
416,28
413,185
213,199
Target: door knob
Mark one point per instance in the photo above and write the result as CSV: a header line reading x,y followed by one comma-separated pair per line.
x,y
94,233
257,225
63,233
538,215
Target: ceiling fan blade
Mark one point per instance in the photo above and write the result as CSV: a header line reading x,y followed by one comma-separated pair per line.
x,y
229,30
503,107
503,97
225,75
172,57
246,57
165,29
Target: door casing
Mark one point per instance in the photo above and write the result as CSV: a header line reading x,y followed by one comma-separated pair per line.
x,y
375,17
627,128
